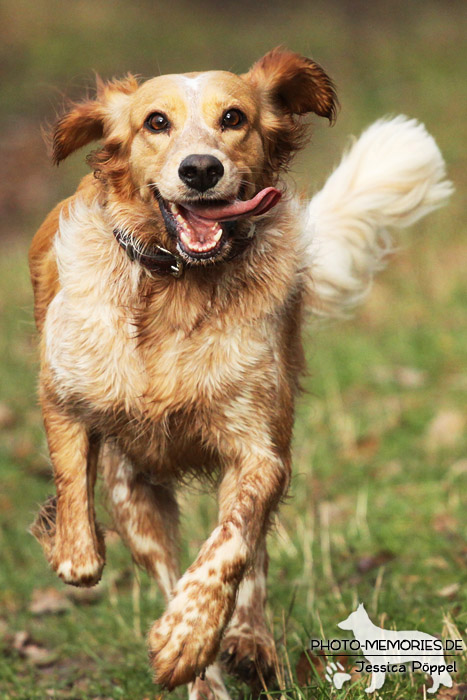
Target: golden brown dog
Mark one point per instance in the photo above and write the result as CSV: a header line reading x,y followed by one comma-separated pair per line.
x,y
169,293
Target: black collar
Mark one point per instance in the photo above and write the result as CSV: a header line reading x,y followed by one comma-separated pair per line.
x,y
161,261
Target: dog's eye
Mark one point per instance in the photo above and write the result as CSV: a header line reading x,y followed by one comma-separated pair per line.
x,y
232,119
157,122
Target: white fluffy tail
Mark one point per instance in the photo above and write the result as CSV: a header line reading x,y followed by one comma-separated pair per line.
x,y
391,177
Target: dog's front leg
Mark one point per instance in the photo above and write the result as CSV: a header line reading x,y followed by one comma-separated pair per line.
x,y
76,550
187,637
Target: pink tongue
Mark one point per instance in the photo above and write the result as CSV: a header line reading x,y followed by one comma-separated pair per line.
x,y
260,204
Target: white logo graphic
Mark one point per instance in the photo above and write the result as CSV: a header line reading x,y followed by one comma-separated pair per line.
x,y
389,650
336,677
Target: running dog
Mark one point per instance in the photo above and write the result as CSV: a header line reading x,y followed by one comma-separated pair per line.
x,y
170,293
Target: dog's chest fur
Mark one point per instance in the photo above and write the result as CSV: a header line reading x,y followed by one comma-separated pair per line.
x,y
165,364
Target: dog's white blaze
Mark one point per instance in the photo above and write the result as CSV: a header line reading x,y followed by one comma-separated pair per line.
x,y
195,137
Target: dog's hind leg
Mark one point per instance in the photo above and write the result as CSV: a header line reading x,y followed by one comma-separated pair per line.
x,y
66,526
146,516
248,649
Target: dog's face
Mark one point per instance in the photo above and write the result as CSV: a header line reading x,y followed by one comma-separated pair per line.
x,y
196,137
195,149
204,150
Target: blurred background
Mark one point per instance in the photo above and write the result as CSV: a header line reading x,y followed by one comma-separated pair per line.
x,y
377,512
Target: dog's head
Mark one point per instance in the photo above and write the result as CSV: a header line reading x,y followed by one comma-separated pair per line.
x,y
203,150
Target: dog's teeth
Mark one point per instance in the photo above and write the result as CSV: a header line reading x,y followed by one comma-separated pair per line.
x,y
174,208
197,246
218,234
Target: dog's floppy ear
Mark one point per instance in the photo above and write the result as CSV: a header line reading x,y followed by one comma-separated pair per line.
x,y
83,124
90,120
289,86
294,83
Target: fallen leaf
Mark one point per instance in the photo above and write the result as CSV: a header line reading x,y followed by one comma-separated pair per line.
x,y
410,377
373,561
48,601
355,675
305,664
437,562
81,685
365,447
445,430
20,640
406,377
32,651
449,591
457,692
445,522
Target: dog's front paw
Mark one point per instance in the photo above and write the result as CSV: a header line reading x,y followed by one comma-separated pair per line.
x,y
84,574
187,637
79,565
78,560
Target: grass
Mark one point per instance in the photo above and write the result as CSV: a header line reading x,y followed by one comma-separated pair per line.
x,y
377,506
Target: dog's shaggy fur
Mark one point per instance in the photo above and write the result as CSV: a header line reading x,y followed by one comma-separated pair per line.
x,y
150,377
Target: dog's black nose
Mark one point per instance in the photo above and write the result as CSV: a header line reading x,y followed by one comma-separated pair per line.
x,y
200,171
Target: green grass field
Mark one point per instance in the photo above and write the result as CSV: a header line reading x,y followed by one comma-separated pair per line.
x,y
377,508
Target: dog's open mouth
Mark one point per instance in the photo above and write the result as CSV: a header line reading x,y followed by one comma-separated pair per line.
x,y
203,227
